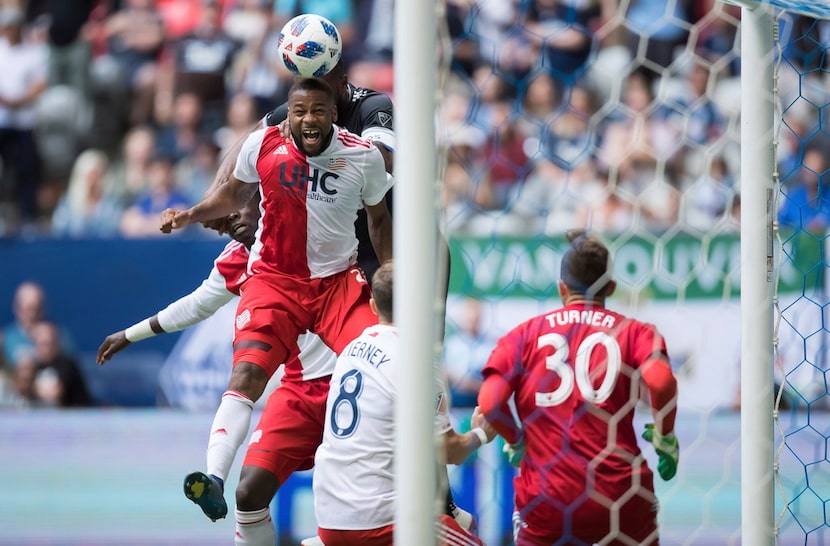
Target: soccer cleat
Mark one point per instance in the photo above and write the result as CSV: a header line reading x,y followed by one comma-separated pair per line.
x,y
312,541
208,493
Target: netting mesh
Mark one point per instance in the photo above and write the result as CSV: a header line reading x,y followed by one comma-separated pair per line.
x,y
801,326
558,114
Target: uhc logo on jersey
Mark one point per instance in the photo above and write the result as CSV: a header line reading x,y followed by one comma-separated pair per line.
x,y
315,180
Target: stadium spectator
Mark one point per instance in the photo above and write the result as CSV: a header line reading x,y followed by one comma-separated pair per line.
x,y
663,25
23,65
135,38
59,381
130,170
241,115
708,201
141,218
260,73
354,475
563,32
803,203
88,208
199,63
179,136
70,47
28,308
582,477
283,266
465,351
194,172
248,20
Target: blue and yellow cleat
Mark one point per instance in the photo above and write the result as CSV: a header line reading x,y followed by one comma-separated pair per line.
x,y
208,493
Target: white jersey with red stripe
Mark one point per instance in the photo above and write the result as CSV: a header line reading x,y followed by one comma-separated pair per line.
x,y
311,359
354,468
309,203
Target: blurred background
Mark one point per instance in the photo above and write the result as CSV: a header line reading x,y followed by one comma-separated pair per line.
x,y
617,115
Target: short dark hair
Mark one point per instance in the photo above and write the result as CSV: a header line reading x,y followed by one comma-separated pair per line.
x,y
382,290
586,265
312,84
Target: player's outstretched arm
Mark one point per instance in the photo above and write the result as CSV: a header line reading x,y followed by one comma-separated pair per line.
x,y
120,340
458,447
219,204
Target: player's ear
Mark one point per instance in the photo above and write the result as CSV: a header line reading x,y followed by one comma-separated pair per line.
x,y
373,306
334,113
563,289
612,286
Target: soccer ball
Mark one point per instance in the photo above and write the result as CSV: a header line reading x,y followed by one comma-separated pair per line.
x,y
309,45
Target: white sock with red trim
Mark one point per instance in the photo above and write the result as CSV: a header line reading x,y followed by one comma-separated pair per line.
x,y
228,431
254,528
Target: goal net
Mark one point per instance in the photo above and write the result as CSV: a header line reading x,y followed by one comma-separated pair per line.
x,y
626,119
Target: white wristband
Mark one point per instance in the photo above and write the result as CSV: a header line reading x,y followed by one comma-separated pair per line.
x,y
139,331
481,435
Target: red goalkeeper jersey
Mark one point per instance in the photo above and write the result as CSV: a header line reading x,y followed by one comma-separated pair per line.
x,y
575,375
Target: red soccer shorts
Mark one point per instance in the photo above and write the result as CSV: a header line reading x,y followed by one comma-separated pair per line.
x,y
590,522
275,309
369,537
290,428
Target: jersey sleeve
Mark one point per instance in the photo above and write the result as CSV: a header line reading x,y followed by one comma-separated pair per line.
x,y
442,406
506,359
245,169
377,180
377,116
196,306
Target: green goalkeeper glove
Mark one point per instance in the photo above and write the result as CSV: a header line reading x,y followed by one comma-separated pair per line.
x,y
667,450
516,452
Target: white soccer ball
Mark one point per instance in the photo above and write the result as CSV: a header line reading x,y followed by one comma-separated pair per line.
x,y
309,45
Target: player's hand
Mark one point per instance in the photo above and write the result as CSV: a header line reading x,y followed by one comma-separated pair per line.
x,y
516,452
174,219
111,345
479,421
668,451
285,129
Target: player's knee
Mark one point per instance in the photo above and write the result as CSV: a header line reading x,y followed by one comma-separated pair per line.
x,y
248,379
256,488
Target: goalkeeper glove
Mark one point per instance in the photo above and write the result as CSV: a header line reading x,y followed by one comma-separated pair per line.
x,y
667,450
516,452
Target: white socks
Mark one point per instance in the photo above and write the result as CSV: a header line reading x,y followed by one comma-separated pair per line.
x,y
228,431
255,528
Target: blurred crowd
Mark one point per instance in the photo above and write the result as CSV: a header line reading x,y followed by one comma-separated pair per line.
x,y
111,111
555,113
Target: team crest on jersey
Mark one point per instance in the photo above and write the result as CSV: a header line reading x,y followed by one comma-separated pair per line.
x,y
338,163
242,319
384,118
256,436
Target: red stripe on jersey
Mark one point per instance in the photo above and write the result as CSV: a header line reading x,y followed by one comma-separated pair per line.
x,y
351,139
283,172
232,264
